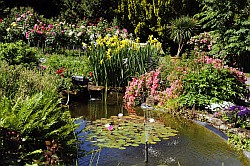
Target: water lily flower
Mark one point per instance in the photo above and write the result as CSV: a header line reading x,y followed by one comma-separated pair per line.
x,y
120,115
107,125
151,120
110,128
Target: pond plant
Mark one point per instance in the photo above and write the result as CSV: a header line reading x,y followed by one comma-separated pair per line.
x,y
123,131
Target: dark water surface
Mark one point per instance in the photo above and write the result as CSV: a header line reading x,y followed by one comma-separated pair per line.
x,y
194,145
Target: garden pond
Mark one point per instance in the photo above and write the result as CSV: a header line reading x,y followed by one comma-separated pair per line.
x,y
193,145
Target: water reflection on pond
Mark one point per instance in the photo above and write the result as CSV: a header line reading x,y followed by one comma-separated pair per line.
x,y
193,146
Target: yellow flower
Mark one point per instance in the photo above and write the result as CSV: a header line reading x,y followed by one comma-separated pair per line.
x,y
99,41
108,52
13,24
84,45
101,61
137,40
150,38
8,29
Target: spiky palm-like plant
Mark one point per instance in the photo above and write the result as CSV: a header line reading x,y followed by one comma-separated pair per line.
x,y
181,30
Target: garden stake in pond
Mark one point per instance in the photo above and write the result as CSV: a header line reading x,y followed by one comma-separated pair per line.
x,y
146,137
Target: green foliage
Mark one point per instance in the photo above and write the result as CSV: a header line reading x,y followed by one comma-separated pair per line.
x,y
153,16
74,10
211,85
114,60
73,64
18,81
230,19
240,142
17,53
37,118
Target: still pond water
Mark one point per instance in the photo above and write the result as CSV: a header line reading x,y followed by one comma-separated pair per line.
x,y
194,145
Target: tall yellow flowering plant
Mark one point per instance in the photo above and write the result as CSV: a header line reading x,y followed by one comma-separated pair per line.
x,y
115,60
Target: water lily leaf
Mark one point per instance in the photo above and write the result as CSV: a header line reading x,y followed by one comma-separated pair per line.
x,y
157,140
134,144
122,148
127,131
100,140
152,142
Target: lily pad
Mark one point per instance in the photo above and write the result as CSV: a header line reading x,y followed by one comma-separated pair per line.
x,y
126,131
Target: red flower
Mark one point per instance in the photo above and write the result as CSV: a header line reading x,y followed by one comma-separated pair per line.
x,y
43,67
1,20
60,71
90,74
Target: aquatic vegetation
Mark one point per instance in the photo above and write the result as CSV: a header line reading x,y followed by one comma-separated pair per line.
x,y
121,132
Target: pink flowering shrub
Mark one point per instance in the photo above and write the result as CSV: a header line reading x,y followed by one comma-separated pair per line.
x,y
197,81
140,88
202,43
217,63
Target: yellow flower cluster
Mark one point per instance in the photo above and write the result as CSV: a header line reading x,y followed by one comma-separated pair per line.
x,y
113,45
108,52
154,41
117,44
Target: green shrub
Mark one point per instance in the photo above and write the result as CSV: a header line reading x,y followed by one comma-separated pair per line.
x,y
72,64
211,85
18,81
17,53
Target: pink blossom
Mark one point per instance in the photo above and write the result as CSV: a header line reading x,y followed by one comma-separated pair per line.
x,y
110,128
50,26
27,35
125,30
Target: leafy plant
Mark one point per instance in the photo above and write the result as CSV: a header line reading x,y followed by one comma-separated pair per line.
x,y
237,116
37,118
240,142
114,60
230,20
211,85
17,53
72,64
17,81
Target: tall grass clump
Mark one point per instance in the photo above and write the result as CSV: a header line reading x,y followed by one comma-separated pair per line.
x,y
115,60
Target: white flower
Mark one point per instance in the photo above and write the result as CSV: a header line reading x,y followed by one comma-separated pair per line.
x,y
120,115
84,45
92,37
151,120
125,61
71,33
79,34
107,125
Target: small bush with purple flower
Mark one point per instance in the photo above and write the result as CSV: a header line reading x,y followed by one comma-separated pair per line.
x,y
238,116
